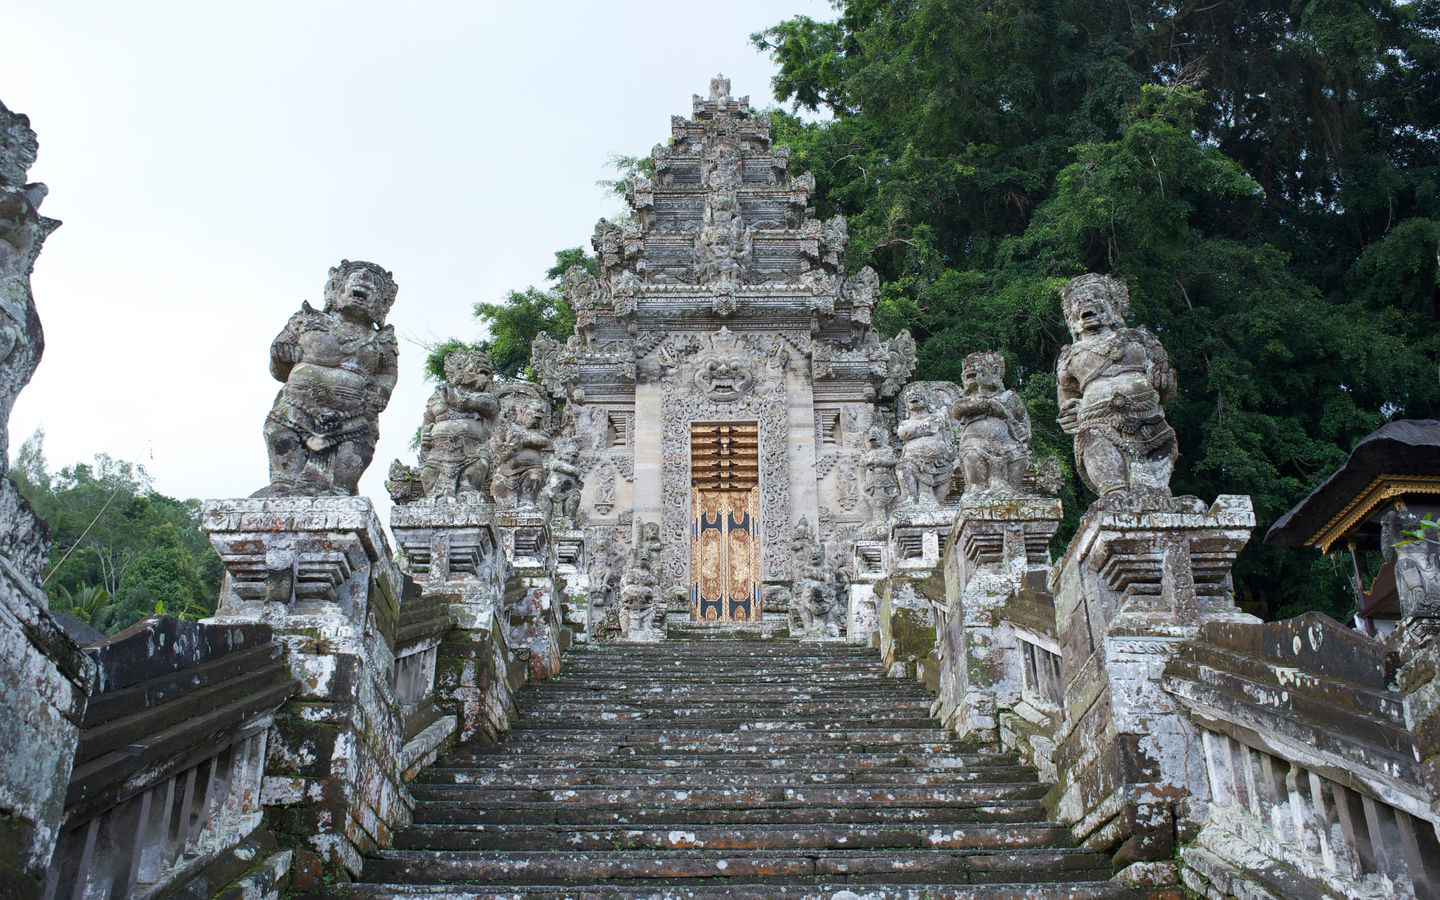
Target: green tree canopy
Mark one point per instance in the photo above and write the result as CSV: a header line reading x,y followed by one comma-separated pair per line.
x,y
1264,177
515,321
117,545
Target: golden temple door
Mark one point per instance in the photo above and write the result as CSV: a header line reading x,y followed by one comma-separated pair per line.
x,y
725,530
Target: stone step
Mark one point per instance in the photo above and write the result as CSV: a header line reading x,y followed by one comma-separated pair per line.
x,y
552,777
1037,865
664,719
824,890
488,760
819,795
688,815
839,835
798,703
559,747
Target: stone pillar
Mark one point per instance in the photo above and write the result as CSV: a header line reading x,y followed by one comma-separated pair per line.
x,y
911,590
1131,587
531,605
453,549
44,683
862,623
1417,639
993,547
319,571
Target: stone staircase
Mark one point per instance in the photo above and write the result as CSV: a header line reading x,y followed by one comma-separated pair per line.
x,y
729,769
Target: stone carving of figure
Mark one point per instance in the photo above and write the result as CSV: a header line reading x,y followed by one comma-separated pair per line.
x,y
455,433
994,428
338,366
928,458
560,498
22,230
877,479
722,252
521,446
815,607
639,593
1113,382
607,569
404,484
1417,564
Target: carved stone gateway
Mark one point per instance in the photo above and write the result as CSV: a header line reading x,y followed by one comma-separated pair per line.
x,y
721,380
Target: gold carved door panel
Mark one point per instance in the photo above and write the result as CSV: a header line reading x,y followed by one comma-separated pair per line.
x,y
725,528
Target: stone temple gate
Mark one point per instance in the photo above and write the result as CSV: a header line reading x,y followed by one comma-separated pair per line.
x,y
724,372
723,449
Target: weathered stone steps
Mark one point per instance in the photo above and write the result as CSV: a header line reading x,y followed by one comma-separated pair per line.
x,y
957,836
554,778
730,770
694,814
406,866
820,890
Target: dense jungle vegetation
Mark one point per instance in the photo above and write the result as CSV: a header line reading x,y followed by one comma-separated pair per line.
x,y
1264,175
119,551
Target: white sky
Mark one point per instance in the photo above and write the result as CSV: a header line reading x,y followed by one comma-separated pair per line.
x,y
211,161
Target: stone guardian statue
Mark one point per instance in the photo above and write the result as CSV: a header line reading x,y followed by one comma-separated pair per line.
x,y
928,458
455,433
994,428
1112,384
338,366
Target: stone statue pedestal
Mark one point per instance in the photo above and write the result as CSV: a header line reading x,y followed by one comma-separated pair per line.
x,y
911,590
1130,589
531,604
319,571
992,550
453,549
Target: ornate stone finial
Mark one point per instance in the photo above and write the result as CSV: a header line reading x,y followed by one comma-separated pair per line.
x,y
719,89
1113,382
339,367
928,458
455,456
521,447
994,428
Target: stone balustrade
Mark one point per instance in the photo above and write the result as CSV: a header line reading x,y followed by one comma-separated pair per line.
x,y
1314,785
165,793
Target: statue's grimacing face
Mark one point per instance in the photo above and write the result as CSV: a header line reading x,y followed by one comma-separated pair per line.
x,y
1089,308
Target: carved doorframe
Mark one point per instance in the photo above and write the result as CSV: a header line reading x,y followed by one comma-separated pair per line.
x,y
684,402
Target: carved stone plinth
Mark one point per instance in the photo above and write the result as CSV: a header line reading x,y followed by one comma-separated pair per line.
x,y
319,571
454,550
911,591
993,547
530,605
1130,589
